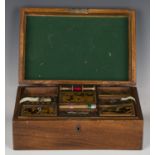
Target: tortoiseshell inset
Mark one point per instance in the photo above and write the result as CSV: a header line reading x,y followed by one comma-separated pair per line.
x,y
117,108
77,101
38,107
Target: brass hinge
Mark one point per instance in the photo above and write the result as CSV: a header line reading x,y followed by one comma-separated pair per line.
x,y
78,11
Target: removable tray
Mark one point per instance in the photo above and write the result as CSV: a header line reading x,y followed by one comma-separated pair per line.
x,y
106,103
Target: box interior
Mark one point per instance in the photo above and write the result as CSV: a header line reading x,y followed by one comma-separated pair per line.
x,y
107,101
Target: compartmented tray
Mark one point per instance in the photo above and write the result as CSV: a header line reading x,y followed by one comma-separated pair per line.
x,y
78,101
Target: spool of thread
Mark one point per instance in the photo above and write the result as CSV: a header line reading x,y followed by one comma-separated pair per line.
x,y
89,106
77,88
88,88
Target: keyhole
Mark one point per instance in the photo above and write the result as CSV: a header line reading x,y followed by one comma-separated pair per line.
x,y
78,128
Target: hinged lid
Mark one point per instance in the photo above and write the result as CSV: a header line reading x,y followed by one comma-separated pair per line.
x,y
77,46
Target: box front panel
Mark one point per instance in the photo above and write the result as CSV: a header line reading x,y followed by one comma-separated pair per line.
x,y
78,134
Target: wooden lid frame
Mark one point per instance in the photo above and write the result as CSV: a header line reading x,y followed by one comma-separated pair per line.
x,y
82,12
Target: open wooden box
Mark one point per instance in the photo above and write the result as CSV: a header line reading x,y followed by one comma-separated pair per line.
x,y
78,49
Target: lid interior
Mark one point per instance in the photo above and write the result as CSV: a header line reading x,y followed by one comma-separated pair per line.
x,y
66,47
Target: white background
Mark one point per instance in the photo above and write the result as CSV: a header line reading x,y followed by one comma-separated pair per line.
x,y
143,65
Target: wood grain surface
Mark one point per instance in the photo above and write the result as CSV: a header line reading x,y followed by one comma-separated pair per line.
x,y
78,134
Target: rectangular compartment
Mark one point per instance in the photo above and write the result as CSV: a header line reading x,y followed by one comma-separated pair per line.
x,y
38,102
116,101
77,101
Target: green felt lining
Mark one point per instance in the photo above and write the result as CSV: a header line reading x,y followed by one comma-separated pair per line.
x,y
76,48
